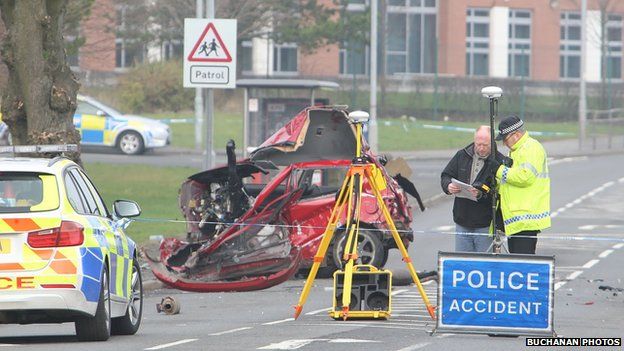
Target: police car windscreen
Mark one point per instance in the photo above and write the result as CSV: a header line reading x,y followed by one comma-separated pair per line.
x,y
24,192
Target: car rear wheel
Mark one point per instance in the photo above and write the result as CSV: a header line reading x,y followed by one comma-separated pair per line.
x,y
131,143
370,249
129,323
98,327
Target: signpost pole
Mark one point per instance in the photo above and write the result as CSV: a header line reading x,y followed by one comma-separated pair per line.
x,y
199,97
209,157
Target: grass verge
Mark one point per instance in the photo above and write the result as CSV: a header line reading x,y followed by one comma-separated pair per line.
x,y
155,189
395,134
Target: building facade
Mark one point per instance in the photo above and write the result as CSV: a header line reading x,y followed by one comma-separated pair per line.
x,y
538,40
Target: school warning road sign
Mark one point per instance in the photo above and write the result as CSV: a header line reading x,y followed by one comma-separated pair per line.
x,y
209,53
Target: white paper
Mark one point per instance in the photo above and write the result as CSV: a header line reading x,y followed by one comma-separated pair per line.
x,y
464,190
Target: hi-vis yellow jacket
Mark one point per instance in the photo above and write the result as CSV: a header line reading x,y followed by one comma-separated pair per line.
x,y
525,188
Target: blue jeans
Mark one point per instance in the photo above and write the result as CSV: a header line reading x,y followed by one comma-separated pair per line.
x,y
472,243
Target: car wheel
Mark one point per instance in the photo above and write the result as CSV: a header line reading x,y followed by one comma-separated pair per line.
x,y
131,143
370,249
129,323
97,328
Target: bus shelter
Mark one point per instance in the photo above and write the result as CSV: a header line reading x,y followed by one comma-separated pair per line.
x,y
271,103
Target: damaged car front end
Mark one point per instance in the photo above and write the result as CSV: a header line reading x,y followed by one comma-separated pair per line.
x,y
244,235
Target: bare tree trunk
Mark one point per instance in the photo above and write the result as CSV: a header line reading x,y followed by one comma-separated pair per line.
x,y
39,102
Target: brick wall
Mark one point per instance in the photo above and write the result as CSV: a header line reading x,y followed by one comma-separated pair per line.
x,y
98,53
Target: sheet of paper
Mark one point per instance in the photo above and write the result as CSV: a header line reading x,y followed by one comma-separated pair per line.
x,y
465,190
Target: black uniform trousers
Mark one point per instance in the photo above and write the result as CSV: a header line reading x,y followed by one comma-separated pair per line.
x,y
523,242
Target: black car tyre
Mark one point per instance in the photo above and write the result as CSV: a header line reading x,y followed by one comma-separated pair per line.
x,y
98,327
370,249
131,143
129,323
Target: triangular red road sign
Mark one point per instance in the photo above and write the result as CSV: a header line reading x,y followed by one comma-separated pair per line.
x,y
210,47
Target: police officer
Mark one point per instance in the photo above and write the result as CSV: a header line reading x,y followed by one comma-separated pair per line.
x,y
469,165
524,187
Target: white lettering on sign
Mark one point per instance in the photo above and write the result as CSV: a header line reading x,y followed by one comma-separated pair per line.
x,y
496,306
514,280
458,276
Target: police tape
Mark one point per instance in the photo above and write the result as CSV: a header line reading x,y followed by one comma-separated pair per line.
x,y
177,120
413,124
544,235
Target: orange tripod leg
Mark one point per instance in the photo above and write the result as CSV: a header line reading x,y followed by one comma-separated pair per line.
x,y
399,242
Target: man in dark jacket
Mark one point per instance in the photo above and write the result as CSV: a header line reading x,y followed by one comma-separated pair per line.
x,y
469,165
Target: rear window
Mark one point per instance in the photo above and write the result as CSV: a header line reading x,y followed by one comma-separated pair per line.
x,y
27,192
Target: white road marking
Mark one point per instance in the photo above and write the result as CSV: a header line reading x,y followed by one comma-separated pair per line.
x,y
280,321
590,263
180,342
618,246
559,285
230,331
575,202
312,313
396,292
350,341
574,275
348,324
288,344
299,343
444,228
415,347
605,253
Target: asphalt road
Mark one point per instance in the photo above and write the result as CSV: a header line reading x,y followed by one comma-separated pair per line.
x,y
586,202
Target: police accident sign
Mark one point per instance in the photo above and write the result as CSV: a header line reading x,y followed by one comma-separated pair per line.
x,y
209,53
495,294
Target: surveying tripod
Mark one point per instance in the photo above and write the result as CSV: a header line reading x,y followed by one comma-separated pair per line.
x,y
350,195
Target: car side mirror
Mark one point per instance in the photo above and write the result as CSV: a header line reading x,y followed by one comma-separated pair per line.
x,y
126,209
100,113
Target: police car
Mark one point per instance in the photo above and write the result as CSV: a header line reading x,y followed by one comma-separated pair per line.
x,y
63,256
102,125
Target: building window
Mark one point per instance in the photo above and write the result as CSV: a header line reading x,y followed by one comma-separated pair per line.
x,y
570,45
353,59
127,52
246,56
613,42
411,36
519,43
172,49
285,58
477,42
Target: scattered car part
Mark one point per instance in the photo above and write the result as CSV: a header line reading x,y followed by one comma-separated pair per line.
x,y
168,305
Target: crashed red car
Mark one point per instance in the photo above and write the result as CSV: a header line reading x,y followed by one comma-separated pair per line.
x,y
248,236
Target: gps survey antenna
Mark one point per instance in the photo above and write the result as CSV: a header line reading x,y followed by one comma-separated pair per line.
x,y
493,94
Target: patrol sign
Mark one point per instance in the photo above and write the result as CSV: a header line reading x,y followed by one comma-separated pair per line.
x,y
495,294
209,53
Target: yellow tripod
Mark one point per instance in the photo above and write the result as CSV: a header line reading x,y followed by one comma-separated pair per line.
x,y
350,195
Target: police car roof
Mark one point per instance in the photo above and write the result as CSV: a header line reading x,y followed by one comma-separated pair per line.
x,y
32,164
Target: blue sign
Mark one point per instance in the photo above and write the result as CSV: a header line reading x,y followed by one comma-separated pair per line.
x,y
489,293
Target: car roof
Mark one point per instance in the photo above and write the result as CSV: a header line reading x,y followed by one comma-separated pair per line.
x,y
34,164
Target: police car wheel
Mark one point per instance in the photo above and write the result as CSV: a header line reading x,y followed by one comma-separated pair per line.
x,y
129,323
131,143
98,327
370,249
